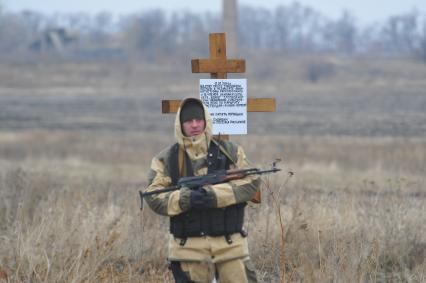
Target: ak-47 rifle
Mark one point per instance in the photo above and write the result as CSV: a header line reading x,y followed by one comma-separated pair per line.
x,y
218,177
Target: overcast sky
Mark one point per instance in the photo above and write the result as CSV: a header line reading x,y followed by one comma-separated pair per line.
x,y
367,11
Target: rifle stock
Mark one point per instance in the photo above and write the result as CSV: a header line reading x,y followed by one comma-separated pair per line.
x,y
257,197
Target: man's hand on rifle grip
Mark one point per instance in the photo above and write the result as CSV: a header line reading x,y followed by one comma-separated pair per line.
x,y
202,199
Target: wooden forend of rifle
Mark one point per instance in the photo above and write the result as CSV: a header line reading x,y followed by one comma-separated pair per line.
x,y
257,197
235,174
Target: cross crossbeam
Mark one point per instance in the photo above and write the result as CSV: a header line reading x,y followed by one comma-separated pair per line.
x,y
253,105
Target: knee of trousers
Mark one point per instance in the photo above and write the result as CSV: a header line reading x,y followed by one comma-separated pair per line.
x,y
192,271
238,270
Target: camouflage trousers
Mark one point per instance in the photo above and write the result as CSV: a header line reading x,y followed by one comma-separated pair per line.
x,y
232,271
200,259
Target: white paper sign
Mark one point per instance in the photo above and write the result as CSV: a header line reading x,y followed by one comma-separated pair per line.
x,y
226,100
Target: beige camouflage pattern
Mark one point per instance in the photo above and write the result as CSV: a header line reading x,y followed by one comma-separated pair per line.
x,y
226,194
239,270
208,250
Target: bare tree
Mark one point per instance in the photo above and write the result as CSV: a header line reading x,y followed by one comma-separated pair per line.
x,y
340,35
292,26
422,43
399,33
255,27
282,28
14,36
102,28
153,34
143,33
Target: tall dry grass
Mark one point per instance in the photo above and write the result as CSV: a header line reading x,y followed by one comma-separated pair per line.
x,y
76,141
74,217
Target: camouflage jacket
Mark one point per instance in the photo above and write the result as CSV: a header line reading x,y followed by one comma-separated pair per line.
x,y
196,147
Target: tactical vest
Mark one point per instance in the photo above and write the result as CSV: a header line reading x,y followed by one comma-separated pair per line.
x,y
207,222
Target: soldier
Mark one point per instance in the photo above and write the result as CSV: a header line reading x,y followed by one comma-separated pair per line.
x,y
206,224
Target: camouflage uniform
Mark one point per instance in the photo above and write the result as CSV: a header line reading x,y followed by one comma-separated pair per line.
x,y
200,257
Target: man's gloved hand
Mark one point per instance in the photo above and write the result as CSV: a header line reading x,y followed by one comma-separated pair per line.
x,y
185,198
202,199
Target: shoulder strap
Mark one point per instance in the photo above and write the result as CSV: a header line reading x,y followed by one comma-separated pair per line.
x,y
174,166
224,151
179,164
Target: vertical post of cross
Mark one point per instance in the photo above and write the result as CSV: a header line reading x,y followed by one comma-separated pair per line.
x,y
217,52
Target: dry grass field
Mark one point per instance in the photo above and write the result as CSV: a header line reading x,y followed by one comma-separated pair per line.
x,y
76,140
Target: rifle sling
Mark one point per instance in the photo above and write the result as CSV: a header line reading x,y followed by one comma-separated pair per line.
x,y
224,151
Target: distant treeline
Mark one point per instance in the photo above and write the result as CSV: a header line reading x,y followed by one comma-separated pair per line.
x,y
154,34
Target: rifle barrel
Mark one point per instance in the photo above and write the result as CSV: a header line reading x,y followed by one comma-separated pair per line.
x,y
260,172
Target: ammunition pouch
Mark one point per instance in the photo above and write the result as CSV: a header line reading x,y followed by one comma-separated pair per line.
x,y
208,222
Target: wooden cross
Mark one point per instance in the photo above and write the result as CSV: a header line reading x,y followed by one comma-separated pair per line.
x,y
219,66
